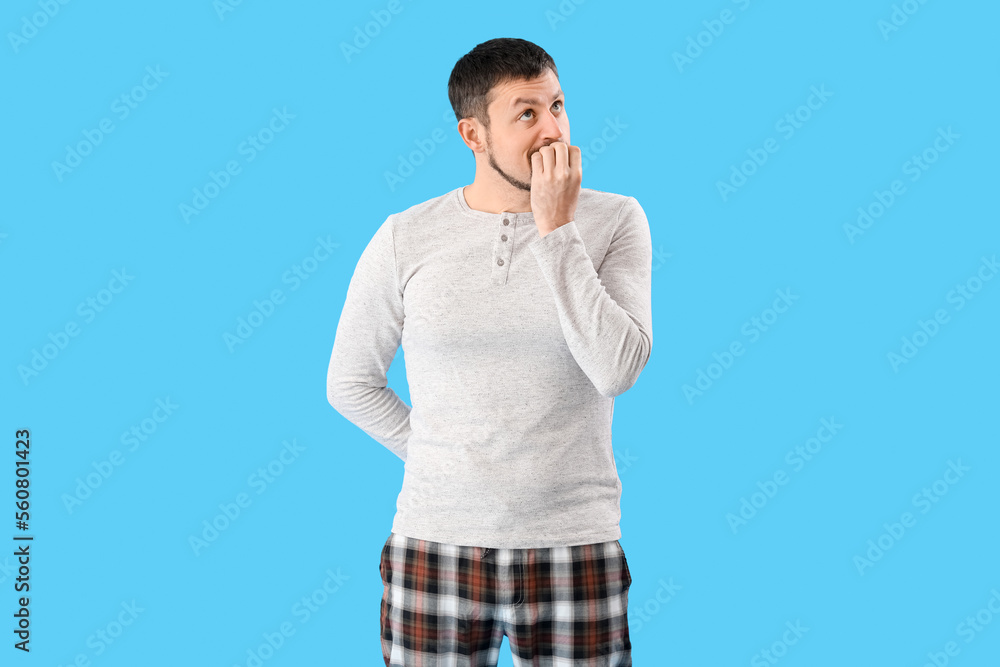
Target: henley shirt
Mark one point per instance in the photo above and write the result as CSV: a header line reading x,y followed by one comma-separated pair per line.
x,y
515,347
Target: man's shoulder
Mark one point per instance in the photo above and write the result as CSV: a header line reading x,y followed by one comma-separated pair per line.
x,y
602,196
603,204
436,206
602,193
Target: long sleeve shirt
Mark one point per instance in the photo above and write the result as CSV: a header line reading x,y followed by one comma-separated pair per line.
x,y
515,347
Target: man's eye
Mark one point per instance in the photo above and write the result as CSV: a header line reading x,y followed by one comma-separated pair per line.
x,y
559,102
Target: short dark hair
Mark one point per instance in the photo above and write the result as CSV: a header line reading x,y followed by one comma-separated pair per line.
x,y
494,62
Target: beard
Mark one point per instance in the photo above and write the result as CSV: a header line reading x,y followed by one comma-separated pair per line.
x,y
520,185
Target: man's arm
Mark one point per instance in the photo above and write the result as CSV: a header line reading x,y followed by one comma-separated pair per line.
x,y
368,336
606,315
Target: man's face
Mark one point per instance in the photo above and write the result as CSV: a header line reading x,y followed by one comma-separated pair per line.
x,y
524,116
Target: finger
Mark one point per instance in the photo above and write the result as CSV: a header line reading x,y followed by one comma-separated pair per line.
x,y
548,158
537,165
575,159
561,156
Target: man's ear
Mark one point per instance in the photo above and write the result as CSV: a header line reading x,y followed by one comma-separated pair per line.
x,y
472,134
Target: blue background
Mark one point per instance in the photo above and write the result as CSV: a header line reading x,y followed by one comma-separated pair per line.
x,y
687,461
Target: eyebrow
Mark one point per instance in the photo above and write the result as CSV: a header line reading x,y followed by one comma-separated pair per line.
x,y
530,100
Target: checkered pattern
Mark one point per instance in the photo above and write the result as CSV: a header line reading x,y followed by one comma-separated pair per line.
x,y
451,605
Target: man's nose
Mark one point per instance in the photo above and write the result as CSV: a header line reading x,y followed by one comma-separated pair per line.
x,y
550,128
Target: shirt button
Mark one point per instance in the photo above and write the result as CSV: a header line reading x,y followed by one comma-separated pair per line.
x,y
506,222
503,237
500,262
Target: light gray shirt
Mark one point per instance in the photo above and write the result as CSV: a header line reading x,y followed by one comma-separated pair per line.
x,y
515,346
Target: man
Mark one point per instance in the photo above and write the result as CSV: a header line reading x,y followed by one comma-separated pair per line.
x,y
522,303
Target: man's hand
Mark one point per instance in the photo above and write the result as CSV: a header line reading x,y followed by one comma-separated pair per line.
x,y
556,173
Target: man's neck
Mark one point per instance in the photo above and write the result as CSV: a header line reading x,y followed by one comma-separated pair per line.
x,y
496,200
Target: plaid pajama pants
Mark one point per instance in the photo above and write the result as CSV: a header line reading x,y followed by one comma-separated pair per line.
x,y
448,605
